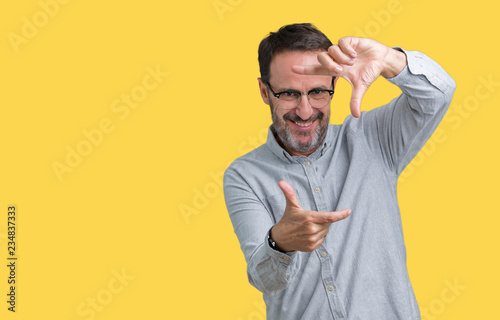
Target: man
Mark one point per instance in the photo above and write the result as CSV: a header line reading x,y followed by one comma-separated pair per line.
x,y
315,209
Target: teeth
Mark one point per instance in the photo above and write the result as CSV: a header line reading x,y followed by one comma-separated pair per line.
x,y
303,124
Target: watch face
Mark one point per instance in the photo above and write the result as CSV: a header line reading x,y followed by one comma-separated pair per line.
x,y
271,242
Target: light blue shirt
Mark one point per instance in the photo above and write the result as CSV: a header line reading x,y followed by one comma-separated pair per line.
x,y
359,272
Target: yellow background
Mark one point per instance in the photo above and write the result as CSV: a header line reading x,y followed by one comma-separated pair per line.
x,y
120,209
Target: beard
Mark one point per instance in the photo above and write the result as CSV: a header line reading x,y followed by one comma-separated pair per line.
x,y
290,140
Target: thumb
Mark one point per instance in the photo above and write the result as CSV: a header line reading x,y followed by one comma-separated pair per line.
x,y
291,200
358,91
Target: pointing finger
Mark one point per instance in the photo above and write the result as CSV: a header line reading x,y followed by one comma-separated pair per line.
x,y
331,217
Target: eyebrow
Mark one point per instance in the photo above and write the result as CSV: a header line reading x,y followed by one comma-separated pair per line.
x,y
295,90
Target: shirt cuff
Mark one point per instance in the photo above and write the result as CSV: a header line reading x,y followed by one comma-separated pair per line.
x,y
420,64
285,257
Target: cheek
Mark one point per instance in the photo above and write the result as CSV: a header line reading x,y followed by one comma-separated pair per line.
x,y
326,116
279,114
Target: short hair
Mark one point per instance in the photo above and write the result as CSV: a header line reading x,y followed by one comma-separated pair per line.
x,y
292,37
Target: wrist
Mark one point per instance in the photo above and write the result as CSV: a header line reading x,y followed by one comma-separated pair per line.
x,y
395,61
273,243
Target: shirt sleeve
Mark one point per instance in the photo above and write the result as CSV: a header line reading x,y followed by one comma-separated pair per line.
x,y
397,131
268,270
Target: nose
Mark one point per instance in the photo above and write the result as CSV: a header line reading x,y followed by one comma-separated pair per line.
x,y
304,110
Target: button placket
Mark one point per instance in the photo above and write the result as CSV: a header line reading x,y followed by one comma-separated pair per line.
x,y
337,306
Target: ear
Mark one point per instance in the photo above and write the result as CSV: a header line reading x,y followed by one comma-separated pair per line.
x,y
263,91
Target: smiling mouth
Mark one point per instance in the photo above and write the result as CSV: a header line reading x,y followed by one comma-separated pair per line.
x,y
303,124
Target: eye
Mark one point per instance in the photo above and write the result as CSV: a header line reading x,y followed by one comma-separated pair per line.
x,y
289,95
316,92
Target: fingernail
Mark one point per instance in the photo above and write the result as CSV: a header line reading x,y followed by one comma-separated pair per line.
x,y
351,62
298,69
338,70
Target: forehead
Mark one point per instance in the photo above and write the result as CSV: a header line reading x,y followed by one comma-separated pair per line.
x,y
281,74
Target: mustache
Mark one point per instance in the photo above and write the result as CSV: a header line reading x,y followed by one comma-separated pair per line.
x,y
294,117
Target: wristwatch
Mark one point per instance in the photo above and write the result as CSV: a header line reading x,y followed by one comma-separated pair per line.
x,y
272,243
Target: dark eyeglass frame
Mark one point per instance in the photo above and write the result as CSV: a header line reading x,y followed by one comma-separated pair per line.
x,y
278,94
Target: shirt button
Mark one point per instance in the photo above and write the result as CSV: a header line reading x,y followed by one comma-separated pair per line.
x,y
287,274
308,164
286,258
323,254
316,189
330,288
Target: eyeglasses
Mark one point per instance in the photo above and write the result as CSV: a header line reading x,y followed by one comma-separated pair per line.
x,y
290,99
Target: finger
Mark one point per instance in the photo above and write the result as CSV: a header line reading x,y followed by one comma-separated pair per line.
x,y
327,67
329,63
358,91
324,231
331,217
318,243
339,56
348,44
312,242
291,199
316,69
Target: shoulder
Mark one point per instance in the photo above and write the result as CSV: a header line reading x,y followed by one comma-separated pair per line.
x,y
351,125
254,158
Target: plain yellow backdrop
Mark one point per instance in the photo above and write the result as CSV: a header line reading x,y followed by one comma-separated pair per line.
x,y
118,118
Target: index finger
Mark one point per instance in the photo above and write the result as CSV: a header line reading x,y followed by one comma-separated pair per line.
x,y
331,217
316,69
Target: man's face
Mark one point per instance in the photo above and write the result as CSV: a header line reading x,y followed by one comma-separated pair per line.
x,y
300,131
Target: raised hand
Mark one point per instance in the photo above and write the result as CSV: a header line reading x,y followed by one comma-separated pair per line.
x,y
359,61
302,230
